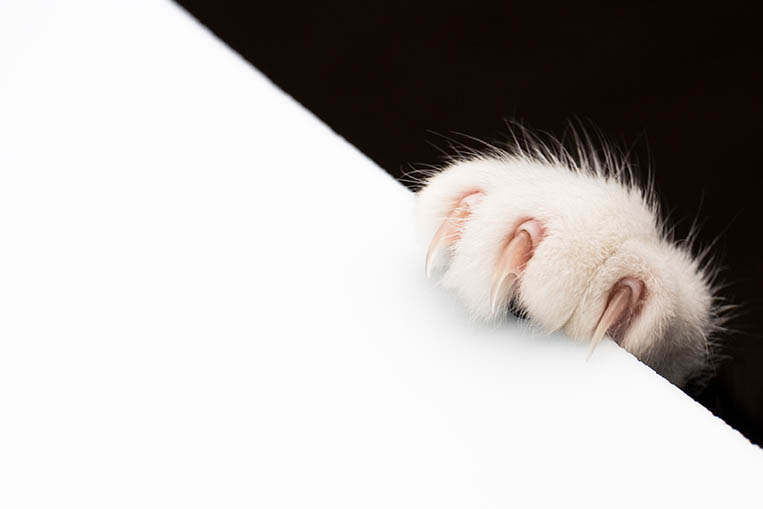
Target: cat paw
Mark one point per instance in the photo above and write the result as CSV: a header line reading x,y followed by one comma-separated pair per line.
x,y
575,250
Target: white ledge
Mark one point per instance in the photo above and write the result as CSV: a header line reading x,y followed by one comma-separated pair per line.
x,y
209,299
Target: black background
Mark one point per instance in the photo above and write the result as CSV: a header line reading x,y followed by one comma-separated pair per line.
x,y
678,87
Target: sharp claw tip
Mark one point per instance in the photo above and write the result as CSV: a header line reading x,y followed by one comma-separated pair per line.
x,y
493,305
502,287
432,254
594,344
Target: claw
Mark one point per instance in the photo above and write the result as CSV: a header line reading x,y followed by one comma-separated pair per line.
x,y
501,289
512,261
449,230
443,238
622,302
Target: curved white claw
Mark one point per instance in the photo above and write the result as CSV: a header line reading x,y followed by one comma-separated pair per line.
x,y
512,261
448,231
622,303
501,291
443,238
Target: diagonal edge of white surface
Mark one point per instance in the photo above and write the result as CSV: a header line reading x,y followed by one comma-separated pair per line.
x,y
207,298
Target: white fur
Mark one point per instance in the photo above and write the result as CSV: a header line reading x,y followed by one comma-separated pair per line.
x,y
599,228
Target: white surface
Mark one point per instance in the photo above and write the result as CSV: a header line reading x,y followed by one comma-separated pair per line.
x,y
208,299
